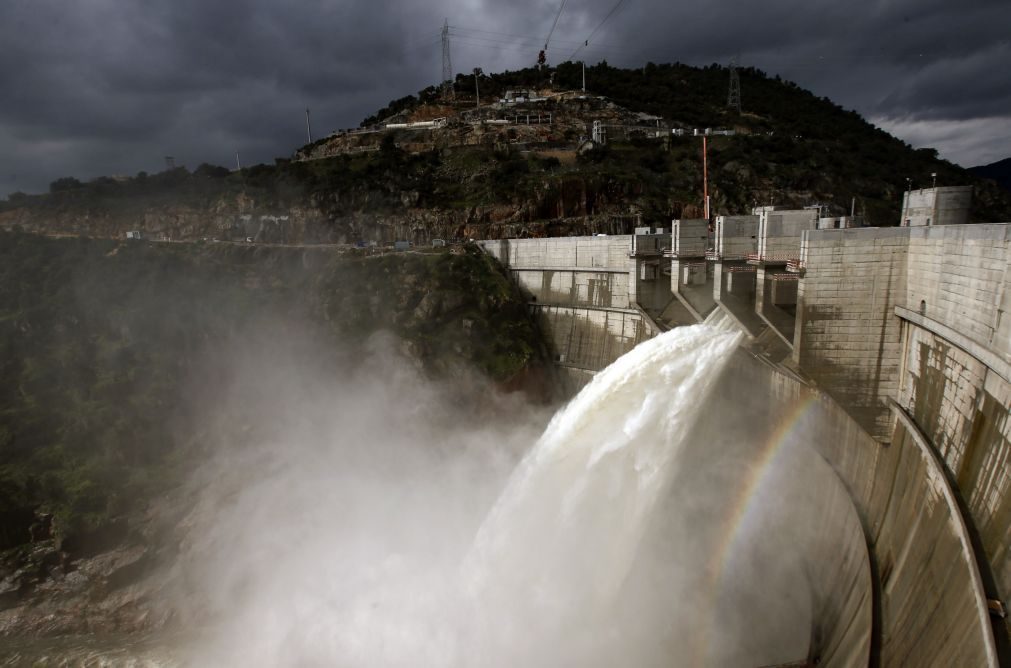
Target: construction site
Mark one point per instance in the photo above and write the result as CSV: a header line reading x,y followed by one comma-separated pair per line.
x,y
524,119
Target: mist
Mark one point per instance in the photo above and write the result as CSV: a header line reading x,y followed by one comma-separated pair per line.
x,y
364,514
329,534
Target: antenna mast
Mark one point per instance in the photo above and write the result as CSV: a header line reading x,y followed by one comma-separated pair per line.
x,y
734,95
447,64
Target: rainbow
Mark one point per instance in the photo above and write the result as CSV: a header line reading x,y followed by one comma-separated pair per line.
x,y
742,509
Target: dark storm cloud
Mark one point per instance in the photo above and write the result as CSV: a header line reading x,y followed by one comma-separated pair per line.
x,y
111,86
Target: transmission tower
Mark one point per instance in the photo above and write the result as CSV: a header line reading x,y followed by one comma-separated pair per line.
x,y
734,95
447,64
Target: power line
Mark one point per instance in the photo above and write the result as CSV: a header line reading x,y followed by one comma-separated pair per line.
x,y
496,47
523,42
502,34
511,47
609,15
519,47
416,47
552,31
773,62
462,32
528,42
489,32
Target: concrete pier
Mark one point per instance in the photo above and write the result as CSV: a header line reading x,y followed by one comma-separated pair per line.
x,y
691,274
779,250
734,280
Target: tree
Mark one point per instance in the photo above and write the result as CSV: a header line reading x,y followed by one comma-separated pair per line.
x,y
211,171
66,183
388,145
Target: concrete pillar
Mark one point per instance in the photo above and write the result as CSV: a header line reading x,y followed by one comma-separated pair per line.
x,y
760,290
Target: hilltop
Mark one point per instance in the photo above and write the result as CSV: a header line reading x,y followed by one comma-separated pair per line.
x,y
999,172
427,166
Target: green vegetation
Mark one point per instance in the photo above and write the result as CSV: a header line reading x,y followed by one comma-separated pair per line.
x,y
108,349
793,148
800,148
998,172
799,142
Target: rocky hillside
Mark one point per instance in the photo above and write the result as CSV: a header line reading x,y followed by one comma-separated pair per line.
x,y
115,358
491,172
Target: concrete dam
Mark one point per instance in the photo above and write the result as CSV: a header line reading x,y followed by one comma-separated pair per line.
x,y
887,351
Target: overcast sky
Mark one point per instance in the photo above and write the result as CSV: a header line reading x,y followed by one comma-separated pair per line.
x,y
93,87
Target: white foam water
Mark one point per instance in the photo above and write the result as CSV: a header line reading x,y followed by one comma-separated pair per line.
x,y
560,540
360,547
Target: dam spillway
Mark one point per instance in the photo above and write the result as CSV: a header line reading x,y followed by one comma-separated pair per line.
x,y
895,345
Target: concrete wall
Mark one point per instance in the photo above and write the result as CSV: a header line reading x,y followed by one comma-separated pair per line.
x,y
779,233
609,289
961,405
585,293
924,604
650,243
590,339
931,609
847,338
961,273
837,222
936,206
690,237
750,412
736,236
583,271
916,314
595,252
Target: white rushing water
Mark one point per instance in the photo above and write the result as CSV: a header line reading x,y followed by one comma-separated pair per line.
x,y
355,546
562,537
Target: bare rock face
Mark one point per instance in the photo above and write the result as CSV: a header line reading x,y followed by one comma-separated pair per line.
x,y
45,591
